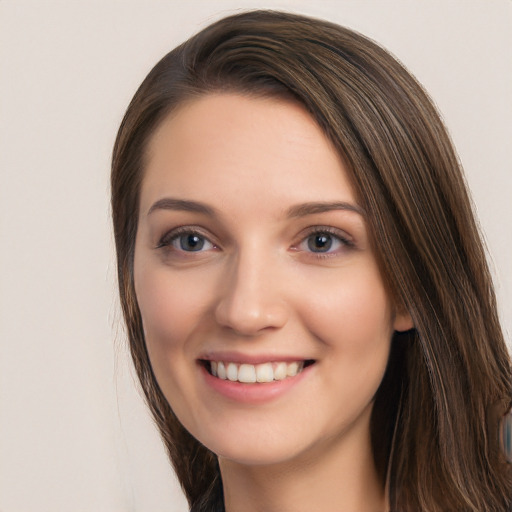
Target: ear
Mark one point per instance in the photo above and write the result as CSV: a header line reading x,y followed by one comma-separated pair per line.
x,y
403,321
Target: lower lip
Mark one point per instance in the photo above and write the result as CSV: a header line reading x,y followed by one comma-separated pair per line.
x,y
257,393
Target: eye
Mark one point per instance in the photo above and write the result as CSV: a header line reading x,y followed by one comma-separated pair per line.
x,y
321,242
191,243
186,241
324,241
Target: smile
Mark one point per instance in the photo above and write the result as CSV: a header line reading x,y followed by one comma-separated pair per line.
x,y
255,373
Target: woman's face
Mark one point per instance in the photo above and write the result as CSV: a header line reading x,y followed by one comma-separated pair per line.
x,y
266,319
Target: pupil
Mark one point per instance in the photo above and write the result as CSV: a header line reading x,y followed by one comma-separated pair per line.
x,y
320,243
191,243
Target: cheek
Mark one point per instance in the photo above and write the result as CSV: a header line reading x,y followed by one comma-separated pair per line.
x,y
165,318
352,317
353,320
171,303
352,312
175,314
169,315
157,303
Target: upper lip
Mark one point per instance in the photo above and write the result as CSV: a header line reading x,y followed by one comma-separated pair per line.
x,y
237,357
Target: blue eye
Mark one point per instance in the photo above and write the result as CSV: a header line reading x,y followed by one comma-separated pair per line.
x,y
320,242
185,240
323,242
191,242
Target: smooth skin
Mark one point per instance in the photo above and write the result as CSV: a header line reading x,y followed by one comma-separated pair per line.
x,y
251,243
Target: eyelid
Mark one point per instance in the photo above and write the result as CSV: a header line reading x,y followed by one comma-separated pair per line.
x,y
336,232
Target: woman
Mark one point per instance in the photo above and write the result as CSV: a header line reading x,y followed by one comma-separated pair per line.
x,y
307,299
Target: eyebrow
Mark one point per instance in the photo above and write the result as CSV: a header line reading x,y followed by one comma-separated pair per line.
x,y
301,210
169,203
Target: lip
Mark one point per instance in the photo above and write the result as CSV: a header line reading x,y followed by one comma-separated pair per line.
x,y
255,393
236,357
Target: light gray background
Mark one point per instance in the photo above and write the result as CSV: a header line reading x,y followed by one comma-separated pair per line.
x,y
74,434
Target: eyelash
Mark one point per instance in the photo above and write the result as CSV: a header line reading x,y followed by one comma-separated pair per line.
x,y
170,237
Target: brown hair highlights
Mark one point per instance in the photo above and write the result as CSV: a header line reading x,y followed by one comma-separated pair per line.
x,y
435,419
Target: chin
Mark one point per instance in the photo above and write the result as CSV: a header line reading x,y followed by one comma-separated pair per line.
x,y
254,446
256,455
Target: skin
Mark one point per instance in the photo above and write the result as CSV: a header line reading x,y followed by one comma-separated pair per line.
x,y
259,287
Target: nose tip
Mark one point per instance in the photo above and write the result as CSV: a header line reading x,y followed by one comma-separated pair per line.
x,y
251,302
249,318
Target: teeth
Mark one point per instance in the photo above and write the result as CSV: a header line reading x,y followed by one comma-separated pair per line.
x,y
232,372
292,369
250,373
264,372
221,371
280,371
247,373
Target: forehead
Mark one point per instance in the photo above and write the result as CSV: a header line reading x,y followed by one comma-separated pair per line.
x,y
222,146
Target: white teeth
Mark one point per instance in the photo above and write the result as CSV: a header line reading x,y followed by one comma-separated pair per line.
x,y
221,371
247,373
232,372
250,373
280,371
264,372
292,369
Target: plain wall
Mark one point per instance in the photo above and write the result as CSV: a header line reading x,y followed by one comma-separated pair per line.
x,y
74,433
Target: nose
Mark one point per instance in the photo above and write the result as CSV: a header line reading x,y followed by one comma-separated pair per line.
x,y
251,300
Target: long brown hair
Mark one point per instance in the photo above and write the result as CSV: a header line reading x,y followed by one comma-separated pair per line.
x,y
436,414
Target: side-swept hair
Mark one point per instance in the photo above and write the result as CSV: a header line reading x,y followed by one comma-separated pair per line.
x,y
435,418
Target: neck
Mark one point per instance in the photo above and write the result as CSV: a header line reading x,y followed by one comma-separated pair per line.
x,y
339,475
